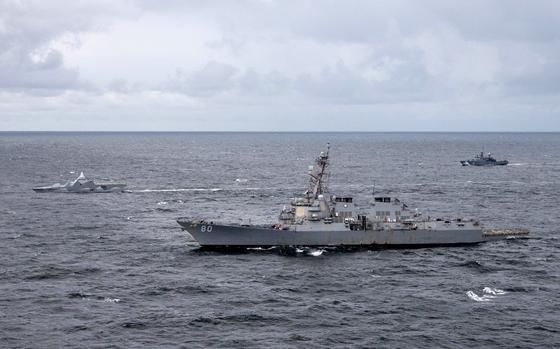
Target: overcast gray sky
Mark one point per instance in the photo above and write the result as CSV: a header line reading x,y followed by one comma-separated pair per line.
x,y
266,65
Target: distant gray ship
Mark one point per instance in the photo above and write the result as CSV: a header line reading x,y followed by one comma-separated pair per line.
x,y
84,185
319,219
482,160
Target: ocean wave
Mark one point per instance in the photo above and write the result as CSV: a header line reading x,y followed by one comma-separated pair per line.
x,y
487,294
76,328
476,265
56,272
88,296
111,300
478,298
315,253
78,295
301,251
182,289
136,325
260,248
493,291
243,318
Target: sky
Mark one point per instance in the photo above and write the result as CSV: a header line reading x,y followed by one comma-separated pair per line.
x,y
267,65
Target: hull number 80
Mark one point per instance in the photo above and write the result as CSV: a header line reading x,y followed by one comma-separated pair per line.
x,y
206,228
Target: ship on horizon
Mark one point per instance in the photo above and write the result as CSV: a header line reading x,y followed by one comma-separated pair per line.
x,y
484,160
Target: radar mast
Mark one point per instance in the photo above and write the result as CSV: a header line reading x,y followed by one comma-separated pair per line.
x,y
319,176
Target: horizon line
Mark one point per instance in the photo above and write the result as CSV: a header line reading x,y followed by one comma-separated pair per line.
x,y
272,131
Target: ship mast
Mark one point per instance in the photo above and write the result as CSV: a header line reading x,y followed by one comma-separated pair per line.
x,y
319,176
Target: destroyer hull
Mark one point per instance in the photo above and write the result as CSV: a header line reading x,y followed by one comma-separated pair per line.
x,y
232,236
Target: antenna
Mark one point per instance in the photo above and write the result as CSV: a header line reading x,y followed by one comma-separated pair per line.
x,y
373,189
319,175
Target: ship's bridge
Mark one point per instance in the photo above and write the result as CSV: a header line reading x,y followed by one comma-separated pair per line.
x,y
343,207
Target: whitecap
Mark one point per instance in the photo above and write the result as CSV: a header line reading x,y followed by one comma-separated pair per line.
x,y
489,293
476,297
316,253
161,203
241,180
111,300
493,291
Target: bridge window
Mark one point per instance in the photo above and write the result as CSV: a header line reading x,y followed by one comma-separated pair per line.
x,y
343,199
382,199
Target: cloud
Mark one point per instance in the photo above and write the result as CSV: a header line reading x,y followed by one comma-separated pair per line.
x,y
28,62
424,63
207,81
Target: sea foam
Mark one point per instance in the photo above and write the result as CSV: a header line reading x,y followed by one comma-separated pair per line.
x,y
489,293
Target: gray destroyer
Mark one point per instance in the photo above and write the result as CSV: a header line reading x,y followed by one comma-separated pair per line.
x,y
484,160
319,219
